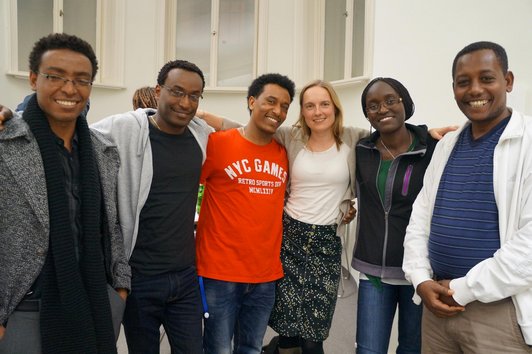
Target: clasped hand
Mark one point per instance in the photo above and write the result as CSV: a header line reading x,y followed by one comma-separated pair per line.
x,y
438,298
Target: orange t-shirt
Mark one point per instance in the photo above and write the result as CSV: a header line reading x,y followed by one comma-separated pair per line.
x,y
240,226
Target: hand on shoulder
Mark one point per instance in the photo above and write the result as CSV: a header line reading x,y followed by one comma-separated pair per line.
x,y
5,115
439,133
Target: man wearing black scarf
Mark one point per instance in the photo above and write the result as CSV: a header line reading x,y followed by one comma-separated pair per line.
x,y
61,250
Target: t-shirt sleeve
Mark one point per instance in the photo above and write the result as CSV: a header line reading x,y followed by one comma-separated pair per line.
x,y
207,168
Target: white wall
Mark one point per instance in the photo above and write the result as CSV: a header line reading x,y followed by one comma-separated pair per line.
x,y
415,41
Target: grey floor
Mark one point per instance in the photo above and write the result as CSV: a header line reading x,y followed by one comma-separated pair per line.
x,y
342,336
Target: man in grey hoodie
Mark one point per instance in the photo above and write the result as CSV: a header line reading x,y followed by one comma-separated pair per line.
x,y
161,153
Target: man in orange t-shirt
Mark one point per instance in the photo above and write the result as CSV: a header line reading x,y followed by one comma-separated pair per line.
x,y
240,226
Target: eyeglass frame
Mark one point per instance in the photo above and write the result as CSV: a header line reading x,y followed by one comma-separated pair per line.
x,y
76,82
384,103
180,94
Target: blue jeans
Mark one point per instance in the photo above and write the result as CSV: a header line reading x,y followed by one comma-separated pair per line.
x,y
238,312
171,300
375,313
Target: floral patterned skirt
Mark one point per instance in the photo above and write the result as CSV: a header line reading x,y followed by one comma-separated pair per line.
x,y
306,296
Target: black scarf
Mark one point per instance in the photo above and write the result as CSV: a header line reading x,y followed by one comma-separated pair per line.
x,y
75,311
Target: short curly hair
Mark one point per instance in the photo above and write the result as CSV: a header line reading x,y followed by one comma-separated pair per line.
x,y
497,49
179,64
257,86
61,41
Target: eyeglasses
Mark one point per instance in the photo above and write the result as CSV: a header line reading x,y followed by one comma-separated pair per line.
x,y
60,81
181,94
388,103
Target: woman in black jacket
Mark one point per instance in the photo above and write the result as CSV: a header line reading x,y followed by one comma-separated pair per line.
x,y
390,165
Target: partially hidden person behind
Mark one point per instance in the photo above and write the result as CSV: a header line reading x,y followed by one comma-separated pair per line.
x,y
468,246
64,274
144,97
391,163
240,227
162,151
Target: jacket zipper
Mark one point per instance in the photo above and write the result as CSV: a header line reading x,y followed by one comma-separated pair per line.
x,y
386,207
406,180
385,246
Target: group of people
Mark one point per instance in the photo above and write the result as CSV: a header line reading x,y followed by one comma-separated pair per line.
x,y
99,221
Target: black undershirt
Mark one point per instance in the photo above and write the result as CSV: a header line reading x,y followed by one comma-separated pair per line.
x,y
165,241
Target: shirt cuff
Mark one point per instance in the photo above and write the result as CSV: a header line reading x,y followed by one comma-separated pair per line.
x,y
462,294
419,277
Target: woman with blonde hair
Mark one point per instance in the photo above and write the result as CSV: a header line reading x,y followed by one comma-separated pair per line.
x,y
322,165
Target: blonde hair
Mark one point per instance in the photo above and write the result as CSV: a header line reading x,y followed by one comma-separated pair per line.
x,y
338,126
144,97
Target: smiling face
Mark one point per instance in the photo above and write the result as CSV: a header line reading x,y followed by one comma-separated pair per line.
x,y
391,115
62,102
269,109
480,88
318,109
175,113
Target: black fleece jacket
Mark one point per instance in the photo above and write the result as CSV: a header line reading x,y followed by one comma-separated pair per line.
x,y
382,225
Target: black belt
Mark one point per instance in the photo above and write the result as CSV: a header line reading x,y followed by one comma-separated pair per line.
x,y
29,305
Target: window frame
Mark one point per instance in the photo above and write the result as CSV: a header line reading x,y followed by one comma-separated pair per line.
x,y
369,13
211,85
110,46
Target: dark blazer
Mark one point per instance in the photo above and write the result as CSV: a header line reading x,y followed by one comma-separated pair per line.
x,y
24,218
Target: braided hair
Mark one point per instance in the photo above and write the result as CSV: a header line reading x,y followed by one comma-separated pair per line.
x,y
144,97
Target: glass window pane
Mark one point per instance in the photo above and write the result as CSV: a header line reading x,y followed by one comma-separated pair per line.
x,y
80,19
41,13
236,42
357,65
193,33
334,47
